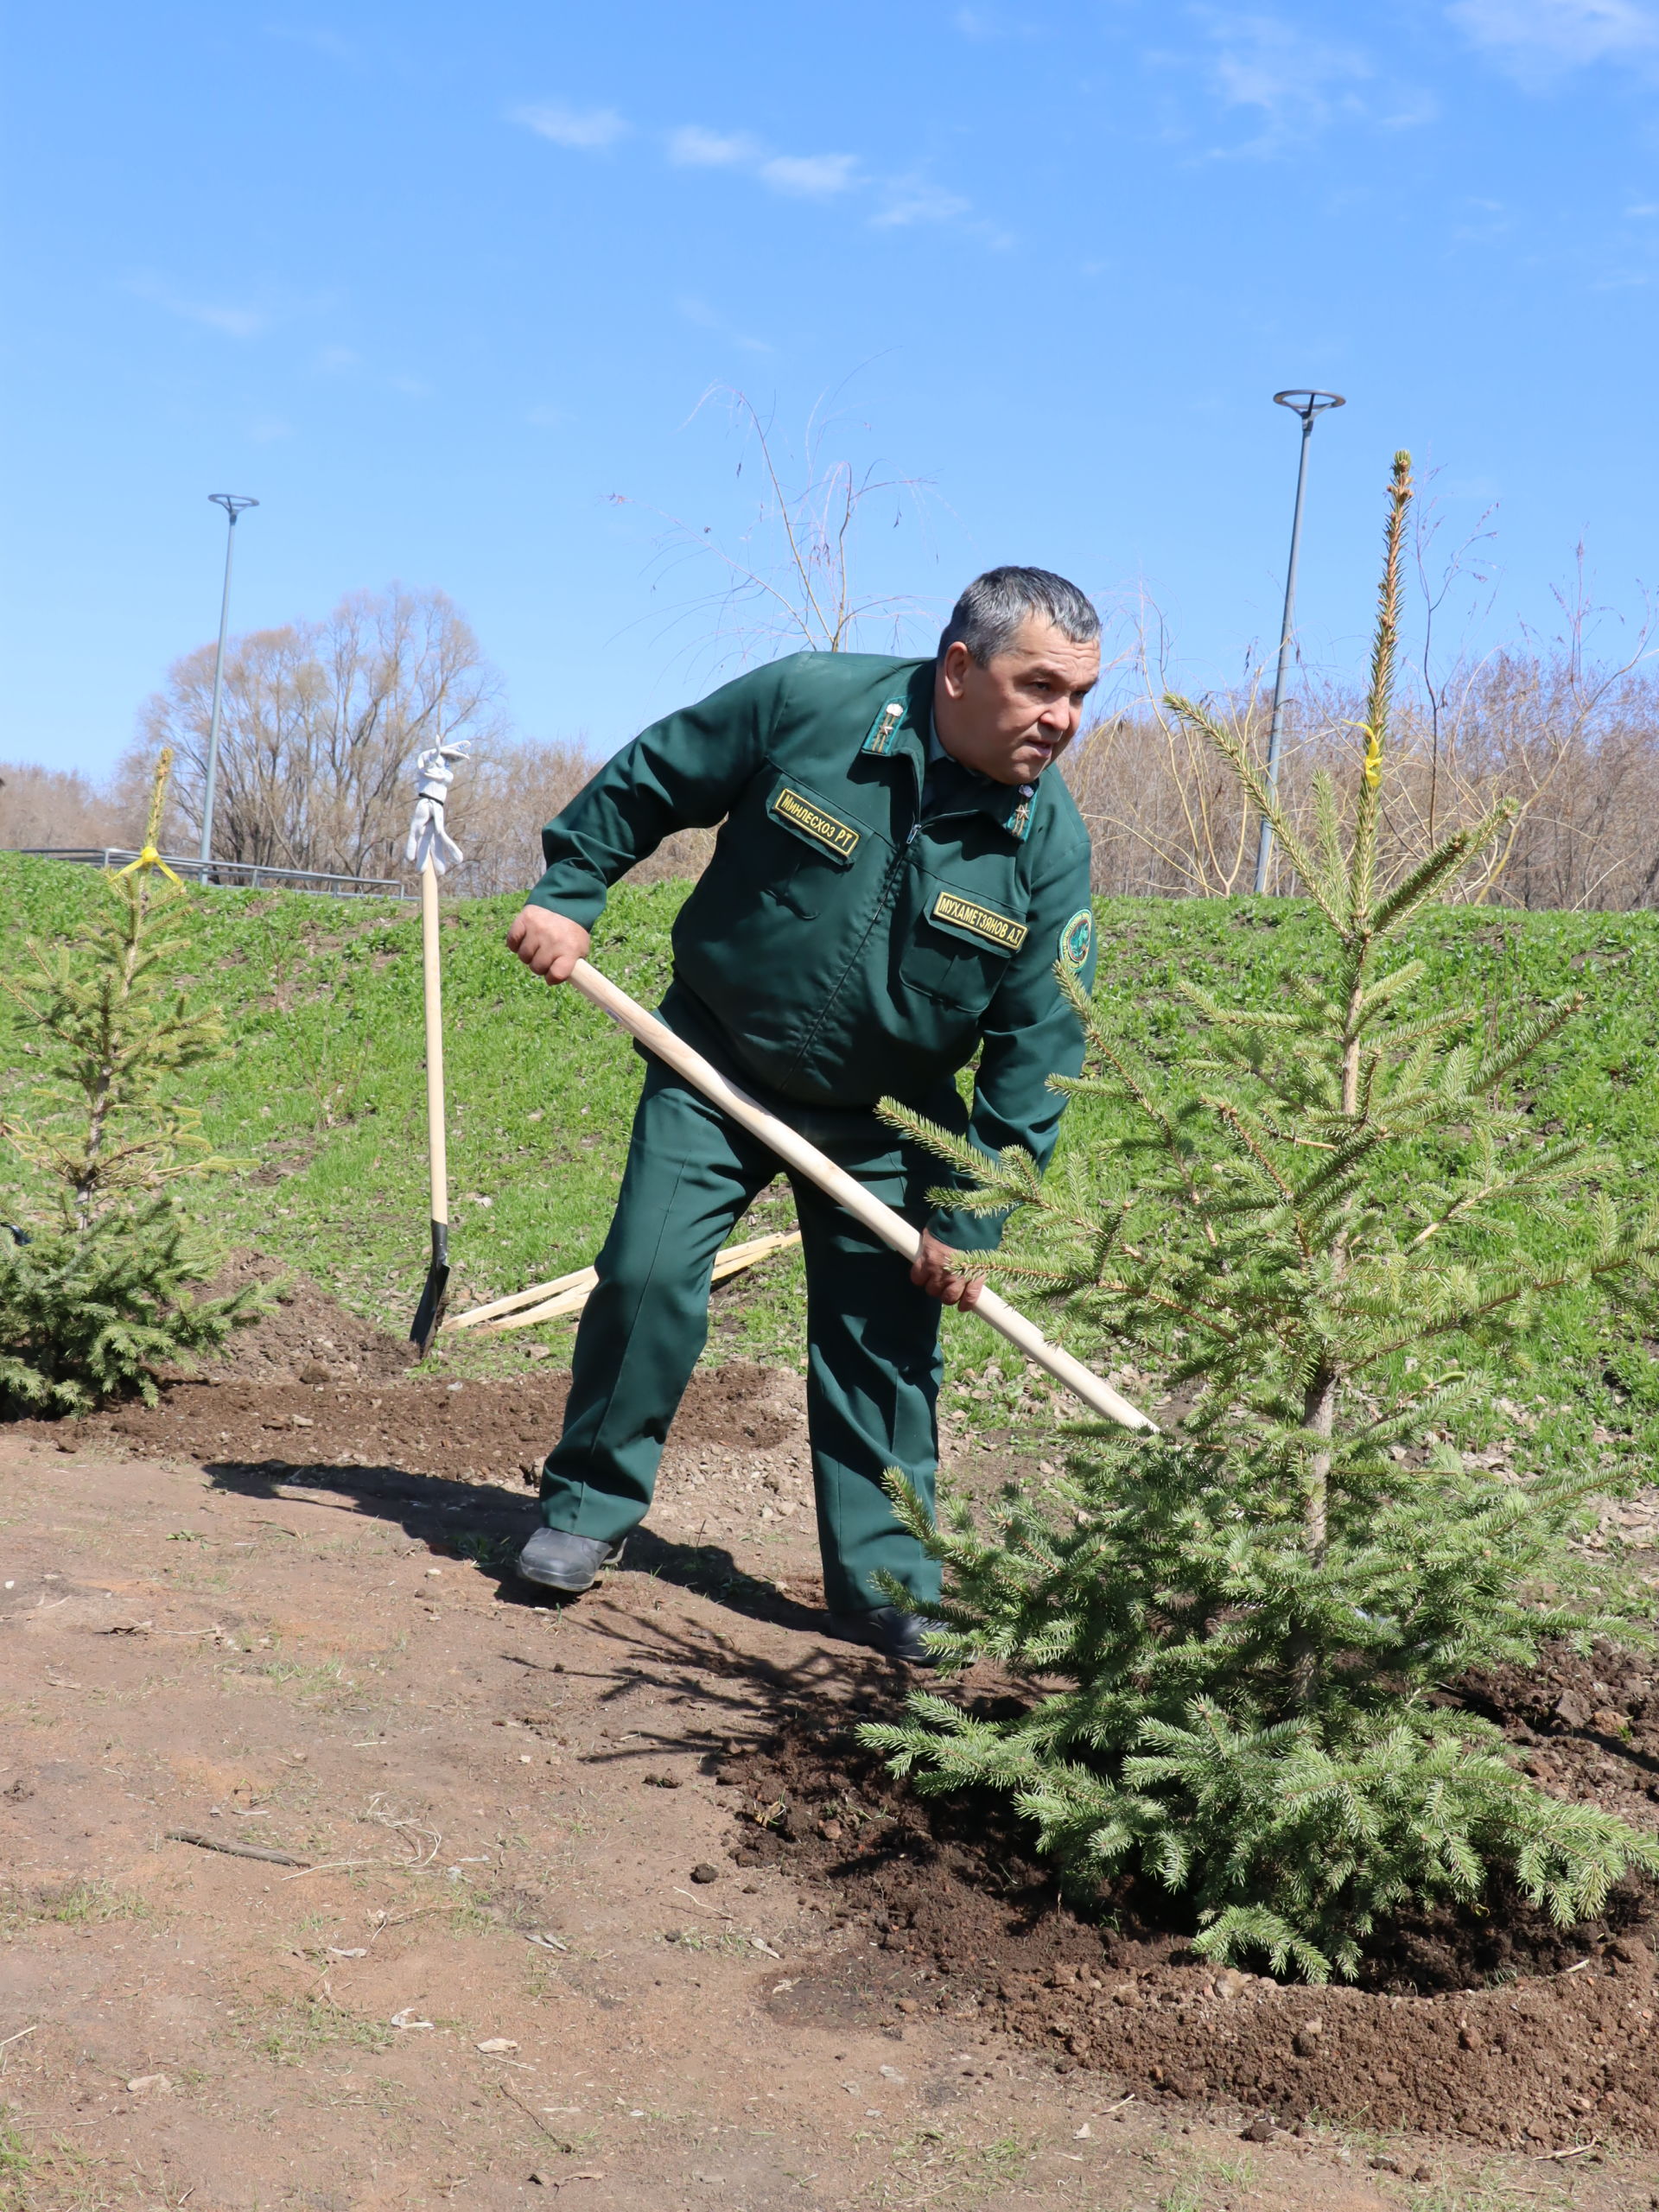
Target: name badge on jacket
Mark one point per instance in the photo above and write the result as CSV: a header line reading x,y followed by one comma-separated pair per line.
x,y
824,828
981,921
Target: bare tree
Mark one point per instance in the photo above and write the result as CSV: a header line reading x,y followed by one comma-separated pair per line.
x,y
320,723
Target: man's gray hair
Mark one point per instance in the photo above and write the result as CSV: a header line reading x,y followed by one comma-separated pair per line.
x,y
988,617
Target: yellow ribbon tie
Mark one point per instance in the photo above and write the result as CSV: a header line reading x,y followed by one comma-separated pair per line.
x,y
150,858
1373,761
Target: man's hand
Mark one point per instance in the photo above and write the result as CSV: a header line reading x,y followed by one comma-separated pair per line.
x,y
548,944
936,1272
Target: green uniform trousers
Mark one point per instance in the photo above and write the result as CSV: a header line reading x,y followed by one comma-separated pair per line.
x,y
873,1366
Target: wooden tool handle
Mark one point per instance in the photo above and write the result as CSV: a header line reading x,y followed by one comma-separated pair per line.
x,y
436,1153
891,1228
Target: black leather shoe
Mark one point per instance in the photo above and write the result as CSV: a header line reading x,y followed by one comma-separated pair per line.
x,y
557,1560
898,1634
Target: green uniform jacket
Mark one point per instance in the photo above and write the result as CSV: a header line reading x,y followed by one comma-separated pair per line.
x,y
841,948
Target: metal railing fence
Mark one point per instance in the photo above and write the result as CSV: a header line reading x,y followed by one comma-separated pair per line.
x,y
240,875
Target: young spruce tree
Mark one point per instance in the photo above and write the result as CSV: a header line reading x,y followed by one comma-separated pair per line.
x,y
1234,1628
93,1292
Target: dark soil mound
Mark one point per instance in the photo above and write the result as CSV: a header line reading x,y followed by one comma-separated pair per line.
x,y
333,1404
306,1335
1496,2027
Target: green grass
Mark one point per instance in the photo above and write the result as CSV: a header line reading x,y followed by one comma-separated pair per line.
x,y
71,1904
1212,2181
295,2030
16,2164
311,1682
725,1940
932,2160
1491,2194
326,1093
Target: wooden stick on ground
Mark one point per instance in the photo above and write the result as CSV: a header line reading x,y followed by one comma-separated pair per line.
x,y
568,1294
233,1850
476,1317
891,1228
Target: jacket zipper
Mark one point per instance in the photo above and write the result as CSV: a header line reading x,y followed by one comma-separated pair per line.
x,y
884,900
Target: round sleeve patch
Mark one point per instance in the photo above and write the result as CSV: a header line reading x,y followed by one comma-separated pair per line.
x,y
1076,939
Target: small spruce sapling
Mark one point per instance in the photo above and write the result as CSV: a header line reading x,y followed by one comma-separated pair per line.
x,y
93,1291
1235,1630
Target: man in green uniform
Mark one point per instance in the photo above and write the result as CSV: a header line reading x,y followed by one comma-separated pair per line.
x,y
898,870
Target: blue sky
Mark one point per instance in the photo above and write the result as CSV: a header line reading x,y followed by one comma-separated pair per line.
x,y
434,282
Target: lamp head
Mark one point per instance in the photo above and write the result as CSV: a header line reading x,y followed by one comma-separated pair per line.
x,y
1307,404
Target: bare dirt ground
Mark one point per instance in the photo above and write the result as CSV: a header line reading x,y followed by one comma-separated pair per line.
x,y
598,1900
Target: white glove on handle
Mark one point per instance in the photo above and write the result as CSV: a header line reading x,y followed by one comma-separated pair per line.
x,y
428,838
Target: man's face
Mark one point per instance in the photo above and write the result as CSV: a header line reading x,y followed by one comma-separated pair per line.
x,y
1009,719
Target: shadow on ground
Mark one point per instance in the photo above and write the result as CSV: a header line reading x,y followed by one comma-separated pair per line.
x,y
487,1524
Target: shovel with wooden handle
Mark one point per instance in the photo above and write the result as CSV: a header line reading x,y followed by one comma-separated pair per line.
x,y
429,1312
431,847
891,1228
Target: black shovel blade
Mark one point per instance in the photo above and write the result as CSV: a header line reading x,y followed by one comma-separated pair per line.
x,y
429,1312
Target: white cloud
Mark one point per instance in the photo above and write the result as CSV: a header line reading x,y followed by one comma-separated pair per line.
x,y
693,146
700,312
326,42
585,130
235,322
1410,111
1294,84
801,176
983,24
1536,38
810,176
902,200
213,315
912,199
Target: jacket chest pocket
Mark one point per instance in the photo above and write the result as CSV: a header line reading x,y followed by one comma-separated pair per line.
x,y
960,948
807,845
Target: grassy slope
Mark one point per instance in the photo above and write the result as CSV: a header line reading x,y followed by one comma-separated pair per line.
x,y
326,1089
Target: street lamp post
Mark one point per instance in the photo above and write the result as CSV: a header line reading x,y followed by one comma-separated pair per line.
x,y
233,503
1307,405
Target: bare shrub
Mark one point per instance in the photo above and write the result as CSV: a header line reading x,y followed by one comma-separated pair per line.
x,y
1163,821
504,795
61,807
1572,747
783,578
686,854
501,798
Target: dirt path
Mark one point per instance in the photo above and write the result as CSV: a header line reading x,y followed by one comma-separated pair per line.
x,y
503,1972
